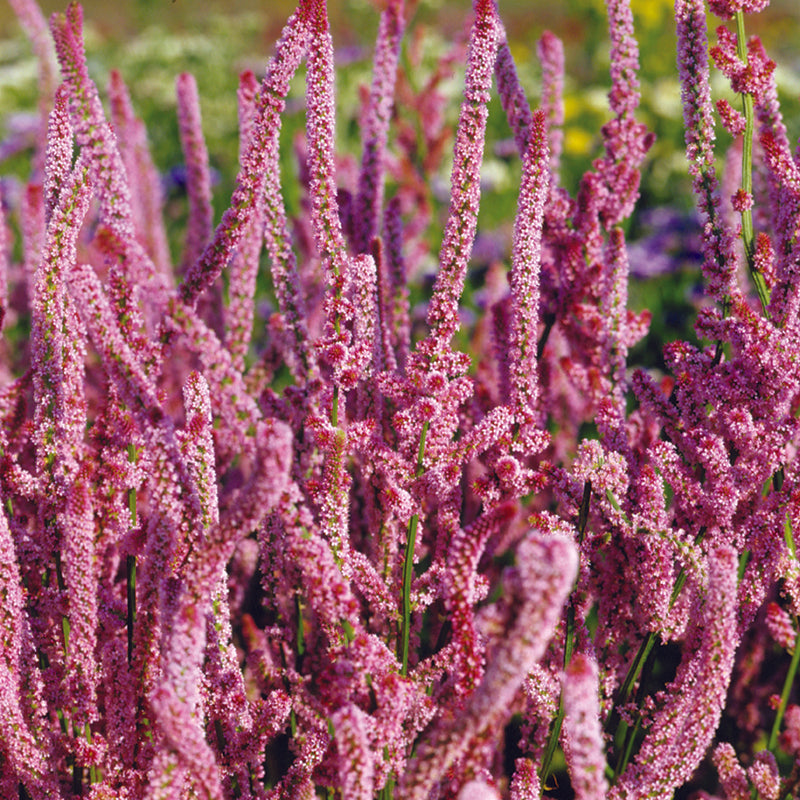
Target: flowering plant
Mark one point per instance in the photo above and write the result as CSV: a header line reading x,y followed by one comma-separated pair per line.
x,y
352,556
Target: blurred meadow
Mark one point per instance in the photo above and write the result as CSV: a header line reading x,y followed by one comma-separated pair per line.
x,y
151,41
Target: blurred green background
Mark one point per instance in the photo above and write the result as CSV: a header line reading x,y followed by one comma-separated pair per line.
x,y
151,41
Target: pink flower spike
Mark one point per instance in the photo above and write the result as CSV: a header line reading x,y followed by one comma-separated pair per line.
x,y
198,176
245,263
58,162
200,446
369,200
731,774
355,757
525,260
145,183
477,790
512,95
34,24
764,776
121,363
95,136
57,345
320,127
21,718
525,784
684,725
465,178
183,752
546,569
624,57
719,267
585,748
79,559
398,306
251,178
550,50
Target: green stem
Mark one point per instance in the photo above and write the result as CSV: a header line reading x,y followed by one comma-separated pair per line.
x,y
569,647
787,687
614,723
748,232
408,563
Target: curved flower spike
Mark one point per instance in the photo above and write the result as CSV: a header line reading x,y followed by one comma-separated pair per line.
x,y
546,570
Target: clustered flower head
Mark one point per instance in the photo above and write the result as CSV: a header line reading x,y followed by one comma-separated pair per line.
x,y
349,555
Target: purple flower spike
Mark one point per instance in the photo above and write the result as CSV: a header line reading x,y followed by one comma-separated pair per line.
x,y
465,179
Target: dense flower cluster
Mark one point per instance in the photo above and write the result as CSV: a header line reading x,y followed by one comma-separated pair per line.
x,y
376,563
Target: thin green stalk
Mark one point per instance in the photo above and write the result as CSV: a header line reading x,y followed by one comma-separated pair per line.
x,y
408,563
614,723
748,232
787,687
569,647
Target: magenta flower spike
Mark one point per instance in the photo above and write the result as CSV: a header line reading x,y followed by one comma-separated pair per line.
x,y
369,199
459,231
